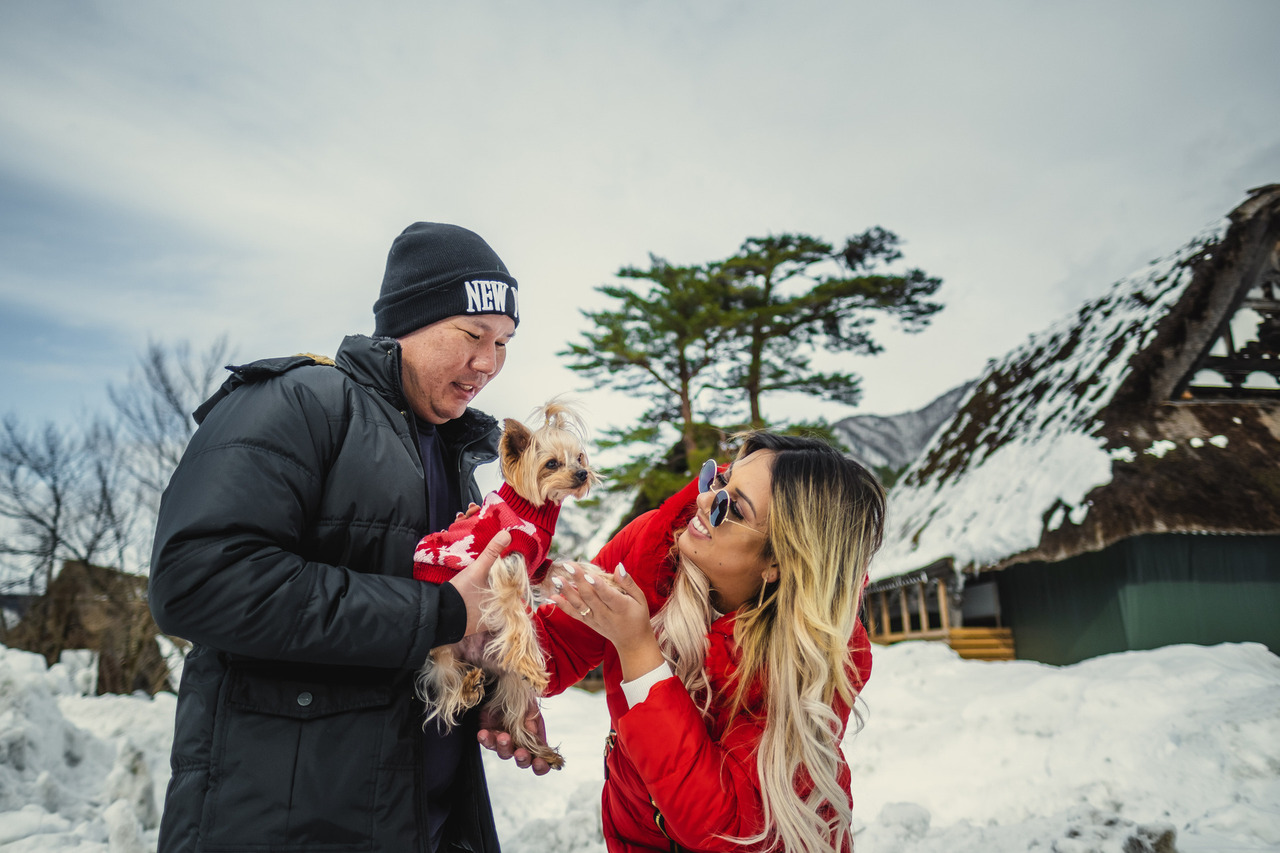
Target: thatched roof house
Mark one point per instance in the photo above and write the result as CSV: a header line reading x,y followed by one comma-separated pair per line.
x,y
1103,446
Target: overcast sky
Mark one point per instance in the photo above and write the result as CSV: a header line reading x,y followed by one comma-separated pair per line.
x,y
178,171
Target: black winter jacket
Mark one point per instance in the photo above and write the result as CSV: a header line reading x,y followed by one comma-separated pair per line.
x,y
284,552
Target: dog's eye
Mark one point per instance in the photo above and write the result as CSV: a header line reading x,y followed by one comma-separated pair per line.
x,y
580,459
553,463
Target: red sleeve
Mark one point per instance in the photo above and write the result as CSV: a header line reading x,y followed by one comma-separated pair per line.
x,y
704,788
570,647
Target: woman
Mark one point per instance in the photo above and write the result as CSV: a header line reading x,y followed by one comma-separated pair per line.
x,y
728,707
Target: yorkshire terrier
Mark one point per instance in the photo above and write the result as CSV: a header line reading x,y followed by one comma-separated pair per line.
x,y
540,468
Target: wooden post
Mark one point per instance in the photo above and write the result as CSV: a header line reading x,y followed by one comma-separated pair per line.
x,y
944,605
884,612
902,608
921,609
871,617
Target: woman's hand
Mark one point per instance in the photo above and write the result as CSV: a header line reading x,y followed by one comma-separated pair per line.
x,y
615,608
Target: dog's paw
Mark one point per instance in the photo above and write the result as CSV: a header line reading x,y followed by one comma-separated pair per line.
x,y
472,690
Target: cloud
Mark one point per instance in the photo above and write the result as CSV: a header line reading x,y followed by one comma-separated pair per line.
x,y
187,170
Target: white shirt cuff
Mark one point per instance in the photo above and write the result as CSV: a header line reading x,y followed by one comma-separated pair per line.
x,y
638,690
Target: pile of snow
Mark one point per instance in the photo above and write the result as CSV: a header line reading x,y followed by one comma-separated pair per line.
x,y
983,756
78,771
1176,749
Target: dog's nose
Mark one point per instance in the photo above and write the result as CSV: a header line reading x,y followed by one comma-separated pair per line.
x,y
580,475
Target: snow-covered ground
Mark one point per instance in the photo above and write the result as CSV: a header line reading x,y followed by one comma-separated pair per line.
x,y
1176,749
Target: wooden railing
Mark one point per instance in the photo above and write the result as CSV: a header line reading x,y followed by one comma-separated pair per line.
x,y
980,643
879,625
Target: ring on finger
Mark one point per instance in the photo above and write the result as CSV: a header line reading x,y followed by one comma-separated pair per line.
x,y
586,611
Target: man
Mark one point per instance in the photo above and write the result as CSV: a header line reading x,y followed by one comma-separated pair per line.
x,y
284,552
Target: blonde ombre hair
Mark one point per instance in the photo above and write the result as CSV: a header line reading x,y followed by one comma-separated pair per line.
x,y
826,517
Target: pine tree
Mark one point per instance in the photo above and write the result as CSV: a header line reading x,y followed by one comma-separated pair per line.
x,y
794,294
703,344
661,343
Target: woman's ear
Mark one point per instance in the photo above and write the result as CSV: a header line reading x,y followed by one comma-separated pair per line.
x,y
772,574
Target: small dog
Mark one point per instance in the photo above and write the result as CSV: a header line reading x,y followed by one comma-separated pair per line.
x,y
540,468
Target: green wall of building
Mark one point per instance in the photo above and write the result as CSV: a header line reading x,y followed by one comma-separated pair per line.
x,y
1145,592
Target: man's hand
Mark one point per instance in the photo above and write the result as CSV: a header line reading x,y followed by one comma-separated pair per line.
x,y
491,736
473,581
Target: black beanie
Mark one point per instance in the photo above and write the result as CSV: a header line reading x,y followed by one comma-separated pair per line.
x,y
436,271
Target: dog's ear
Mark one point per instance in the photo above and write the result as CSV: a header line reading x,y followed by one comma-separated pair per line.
x,y
515,441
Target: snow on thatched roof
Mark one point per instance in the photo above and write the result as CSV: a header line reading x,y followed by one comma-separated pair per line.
x,y
1037,445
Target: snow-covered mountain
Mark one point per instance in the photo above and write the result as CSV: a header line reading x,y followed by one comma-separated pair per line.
x,y
894,441
584,529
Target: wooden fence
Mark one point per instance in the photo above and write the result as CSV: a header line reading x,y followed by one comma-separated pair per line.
x,y
917,622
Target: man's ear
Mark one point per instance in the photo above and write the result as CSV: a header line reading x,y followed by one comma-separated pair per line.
x,y
515,441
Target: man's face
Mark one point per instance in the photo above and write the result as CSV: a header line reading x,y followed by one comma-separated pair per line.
x,y
444,365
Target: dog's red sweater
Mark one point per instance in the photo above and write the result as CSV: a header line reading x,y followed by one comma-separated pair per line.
x,y
440,556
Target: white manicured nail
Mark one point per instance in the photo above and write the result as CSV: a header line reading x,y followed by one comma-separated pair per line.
x,y
621,570
557,583
569,569
590,579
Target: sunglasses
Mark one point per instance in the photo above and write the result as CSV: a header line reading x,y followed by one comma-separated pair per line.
x,y
710,478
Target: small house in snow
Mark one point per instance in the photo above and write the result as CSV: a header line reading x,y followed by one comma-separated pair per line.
x,y
104,611
1114,482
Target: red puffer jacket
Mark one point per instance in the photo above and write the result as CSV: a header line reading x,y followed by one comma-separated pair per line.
x,y
672,775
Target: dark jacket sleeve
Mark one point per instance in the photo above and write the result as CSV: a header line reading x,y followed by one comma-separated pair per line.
x,y
230,567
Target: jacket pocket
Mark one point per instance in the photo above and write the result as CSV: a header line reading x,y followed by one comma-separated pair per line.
x,y
295,764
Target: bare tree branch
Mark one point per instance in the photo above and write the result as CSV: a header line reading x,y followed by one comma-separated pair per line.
x,y
155,407
89,492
